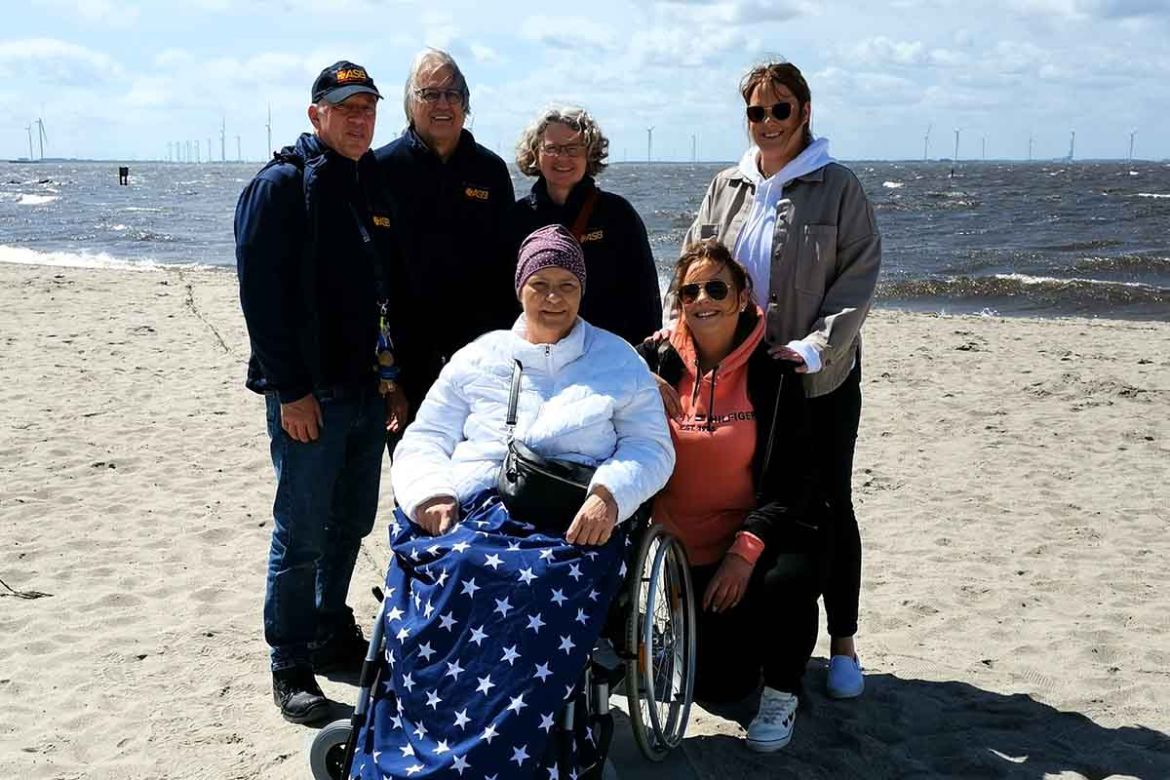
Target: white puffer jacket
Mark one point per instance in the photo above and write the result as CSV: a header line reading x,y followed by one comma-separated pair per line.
x,y
588,398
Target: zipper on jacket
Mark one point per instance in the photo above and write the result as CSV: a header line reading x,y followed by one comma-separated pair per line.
x,y
771,439
551,475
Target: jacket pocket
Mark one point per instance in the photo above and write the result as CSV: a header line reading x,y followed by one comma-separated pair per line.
x,y
816,258
708,230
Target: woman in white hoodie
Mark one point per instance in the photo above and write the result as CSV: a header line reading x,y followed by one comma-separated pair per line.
x,y
491,618
801,225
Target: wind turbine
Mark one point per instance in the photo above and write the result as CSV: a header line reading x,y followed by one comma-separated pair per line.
x,y
30,152
1072,145
1131,136
239,155
649,143
926,143
42,136
269,126
223,139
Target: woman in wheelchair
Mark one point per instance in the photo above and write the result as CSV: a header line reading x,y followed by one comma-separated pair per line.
x,y
491,613
741,496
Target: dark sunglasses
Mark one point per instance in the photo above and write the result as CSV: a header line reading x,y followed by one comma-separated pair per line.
x,y
717,290
780,112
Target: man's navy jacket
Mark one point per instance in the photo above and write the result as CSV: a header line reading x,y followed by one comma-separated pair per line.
x,y
308,278
454,281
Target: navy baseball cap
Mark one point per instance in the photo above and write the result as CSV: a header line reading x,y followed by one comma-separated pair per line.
x,y
342,80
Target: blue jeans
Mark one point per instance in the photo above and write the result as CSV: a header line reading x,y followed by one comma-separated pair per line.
x,y
326,500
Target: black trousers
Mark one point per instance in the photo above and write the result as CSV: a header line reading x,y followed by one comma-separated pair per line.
x,y
835,417
771,632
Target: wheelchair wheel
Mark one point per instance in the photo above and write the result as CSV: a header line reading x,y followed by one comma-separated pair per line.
x,y
327,751
660,677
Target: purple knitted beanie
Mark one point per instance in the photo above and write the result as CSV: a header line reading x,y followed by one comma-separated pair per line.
x,y
550,245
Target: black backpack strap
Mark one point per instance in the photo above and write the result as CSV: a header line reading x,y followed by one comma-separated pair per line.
x,y
513,397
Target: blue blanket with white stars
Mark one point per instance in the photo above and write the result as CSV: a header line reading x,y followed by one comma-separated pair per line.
x,y
488,630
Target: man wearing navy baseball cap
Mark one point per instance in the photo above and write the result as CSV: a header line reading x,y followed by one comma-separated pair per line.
x,y
314,256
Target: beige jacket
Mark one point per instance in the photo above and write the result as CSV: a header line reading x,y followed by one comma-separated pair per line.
x,y
826,253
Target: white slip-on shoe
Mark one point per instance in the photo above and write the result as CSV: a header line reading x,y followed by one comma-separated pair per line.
x,y
845,680
771,729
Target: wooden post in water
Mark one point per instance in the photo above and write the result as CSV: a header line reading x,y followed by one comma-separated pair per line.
x,y
123,175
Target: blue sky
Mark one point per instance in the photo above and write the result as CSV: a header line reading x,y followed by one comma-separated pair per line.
x,y
122,78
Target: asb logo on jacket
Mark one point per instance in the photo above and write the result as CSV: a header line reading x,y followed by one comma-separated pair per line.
x,y
381,221
476,193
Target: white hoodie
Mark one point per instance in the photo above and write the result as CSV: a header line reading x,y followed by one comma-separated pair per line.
x,y
753,248
587,398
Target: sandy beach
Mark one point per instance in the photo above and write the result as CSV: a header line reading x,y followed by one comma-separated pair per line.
x,y
1011,483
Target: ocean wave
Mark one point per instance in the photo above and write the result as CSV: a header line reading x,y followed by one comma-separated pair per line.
x,y
893,185
1078,246
1155,195
29,199
1048,291
1127,263
19,255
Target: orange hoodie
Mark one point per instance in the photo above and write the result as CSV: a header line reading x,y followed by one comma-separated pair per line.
x,y
711,490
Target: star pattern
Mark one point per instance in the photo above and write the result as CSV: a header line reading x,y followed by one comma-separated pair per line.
x,y
461,611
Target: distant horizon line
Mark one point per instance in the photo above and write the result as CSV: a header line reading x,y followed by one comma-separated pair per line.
x,y
27,161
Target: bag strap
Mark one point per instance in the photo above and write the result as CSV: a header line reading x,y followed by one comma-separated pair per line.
x,y
582,220
513,397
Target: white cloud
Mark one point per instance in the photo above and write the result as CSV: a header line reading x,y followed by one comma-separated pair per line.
x,y
673,47
567,32
1094,9
53,62
484,54
737,12
882,51
107,12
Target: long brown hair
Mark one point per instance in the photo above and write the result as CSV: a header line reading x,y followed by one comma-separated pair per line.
x,y
709,249
780,74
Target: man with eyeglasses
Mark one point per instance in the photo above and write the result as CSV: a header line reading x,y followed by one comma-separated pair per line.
x,y
313,257
450,197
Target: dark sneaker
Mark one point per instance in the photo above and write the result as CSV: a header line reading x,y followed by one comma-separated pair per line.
x,y
342,652
297,694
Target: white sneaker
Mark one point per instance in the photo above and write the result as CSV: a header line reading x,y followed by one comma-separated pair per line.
x,y
771,729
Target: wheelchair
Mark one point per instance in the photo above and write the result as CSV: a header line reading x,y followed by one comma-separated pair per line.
x,y
647,652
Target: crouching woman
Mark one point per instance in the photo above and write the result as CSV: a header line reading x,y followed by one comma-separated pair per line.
x,y
492,612
742,498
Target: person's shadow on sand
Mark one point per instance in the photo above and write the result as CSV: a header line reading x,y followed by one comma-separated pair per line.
x,y
904,728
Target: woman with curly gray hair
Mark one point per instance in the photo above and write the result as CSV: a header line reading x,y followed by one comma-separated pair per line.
x,y
565,149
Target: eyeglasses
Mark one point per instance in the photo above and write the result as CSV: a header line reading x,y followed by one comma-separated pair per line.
x,y
779,111
355,109
434,95
563,150
716,290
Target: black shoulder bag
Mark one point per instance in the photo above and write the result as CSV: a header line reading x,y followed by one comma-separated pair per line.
x,y
542,491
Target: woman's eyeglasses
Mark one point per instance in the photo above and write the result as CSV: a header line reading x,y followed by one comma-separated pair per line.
x,y
779,111
716,290
563,150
